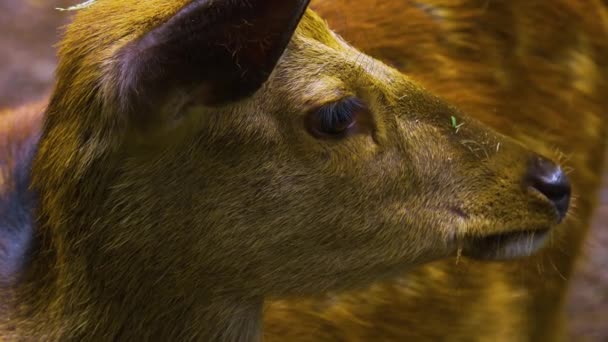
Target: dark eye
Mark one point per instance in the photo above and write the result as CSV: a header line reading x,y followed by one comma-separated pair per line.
x,y
337,119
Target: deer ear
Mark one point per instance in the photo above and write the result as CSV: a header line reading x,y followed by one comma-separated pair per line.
x,y
225,50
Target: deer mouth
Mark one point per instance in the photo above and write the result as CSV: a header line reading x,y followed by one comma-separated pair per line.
x,y
505,246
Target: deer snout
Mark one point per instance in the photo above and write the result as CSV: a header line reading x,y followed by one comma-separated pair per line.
x,y
551,181
550,184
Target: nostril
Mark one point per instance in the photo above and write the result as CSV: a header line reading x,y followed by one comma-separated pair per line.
x,y
551,181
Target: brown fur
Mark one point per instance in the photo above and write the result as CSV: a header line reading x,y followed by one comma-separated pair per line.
x,y
179,228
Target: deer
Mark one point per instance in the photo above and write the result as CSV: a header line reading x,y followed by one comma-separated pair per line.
x,y
238,171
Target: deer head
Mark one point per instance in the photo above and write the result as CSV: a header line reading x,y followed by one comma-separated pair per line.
x,y
196,150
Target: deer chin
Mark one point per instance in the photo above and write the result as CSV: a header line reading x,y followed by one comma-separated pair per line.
x,y
505,245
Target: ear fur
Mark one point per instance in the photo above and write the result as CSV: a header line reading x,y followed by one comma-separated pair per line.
x,y
222,50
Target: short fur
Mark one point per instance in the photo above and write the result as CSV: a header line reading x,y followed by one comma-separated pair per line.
x,y
177,220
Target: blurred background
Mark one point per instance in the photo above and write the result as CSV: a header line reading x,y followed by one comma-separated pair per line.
x,y
29,30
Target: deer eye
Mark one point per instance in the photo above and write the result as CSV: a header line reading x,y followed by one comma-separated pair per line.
x,y
337,119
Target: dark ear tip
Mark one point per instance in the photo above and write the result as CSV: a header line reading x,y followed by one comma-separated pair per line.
x,y
279,19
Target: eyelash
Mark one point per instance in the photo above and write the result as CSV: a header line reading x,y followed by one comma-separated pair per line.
x,y
339,112
334,120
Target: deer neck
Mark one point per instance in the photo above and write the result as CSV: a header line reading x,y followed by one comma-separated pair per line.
x,y
66,284
65,297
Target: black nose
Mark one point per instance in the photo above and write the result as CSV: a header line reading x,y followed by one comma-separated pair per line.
x,y
551,181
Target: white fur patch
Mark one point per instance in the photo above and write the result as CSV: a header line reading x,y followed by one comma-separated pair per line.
x,y
80,6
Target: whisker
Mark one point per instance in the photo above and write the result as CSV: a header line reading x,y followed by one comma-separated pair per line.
x,y
557,270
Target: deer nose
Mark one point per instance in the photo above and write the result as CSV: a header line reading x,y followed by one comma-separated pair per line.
x,y
551,181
